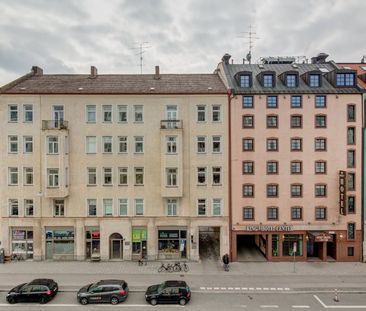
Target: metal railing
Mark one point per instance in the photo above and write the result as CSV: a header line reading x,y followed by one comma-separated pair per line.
x,y
54,125
171,124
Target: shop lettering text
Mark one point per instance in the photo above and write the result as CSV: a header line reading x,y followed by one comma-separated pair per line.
x,y
269,228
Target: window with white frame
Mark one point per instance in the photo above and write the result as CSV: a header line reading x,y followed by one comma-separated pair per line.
x,y
201,144
216,207
139,207
28,144
171,144
13,176
201,175
216,175
53,177
123,144
216,144
107,113
123,175
107,207
28,176
216,113
122,113
92,207
52,144
91,113
29,207
58,208
171,177
13,144
13,207
138,112
201,113
172,207
92,175
139,175
91,144
28,113
13,113
107,144
107,176
201,207
139,144
123,207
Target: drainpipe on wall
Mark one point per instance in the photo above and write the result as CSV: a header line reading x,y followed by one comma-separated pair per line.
x,y
230,96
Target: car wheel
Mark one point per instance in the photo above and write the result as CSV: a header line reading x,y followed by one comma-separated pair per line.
x,y
153,302
114,301
12,300
84,301
182,301
43,300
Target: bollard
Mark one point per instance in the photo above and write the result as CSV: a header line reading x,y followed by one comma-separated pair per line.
x,y
336,299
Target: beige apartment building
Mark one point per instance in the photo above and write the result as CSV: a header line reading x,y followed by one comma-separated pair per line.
x,y
296,160
123,166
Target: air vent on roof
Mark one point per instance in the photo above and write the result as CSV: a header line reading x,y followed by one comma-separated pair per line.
x,y
152,89
294,66
260,66
322,69
80,88
23,88
346,67
209,88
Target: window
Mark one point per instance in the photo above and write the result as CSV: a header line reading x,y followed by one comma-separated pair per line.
x,y
314,80
291,80
351,138
92,207
296,190
320,121
13,176
52,144
345,79
92,175
139,144
320,213
320,190
13,207
272,213
107,144
138,112
271,101
13,144
28,176
28,144
201,144
272,191
216,207
201,113
320,144
216,113
248,102
272,121
351,229
139,207
107,176
268,80
320,167
28,207
248,121
351,113
216,175
123,207
201,207
351,206
296,213
272,144
320,101
296,101
58,208
139,175
171,207
272,167
122,113
171,144
296,144
351,159
216,144
201,175
28,113
91,144
123,176
123,144
91,113
248,213
296,121
107,207
248,144
296,167
244,80
351,178
248,190
53,180
13,113
248,167
171,177
107,113
350,251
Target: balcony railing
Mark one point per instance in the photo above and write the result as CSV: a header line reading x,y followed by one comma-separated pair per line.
x,y
171,124
54,125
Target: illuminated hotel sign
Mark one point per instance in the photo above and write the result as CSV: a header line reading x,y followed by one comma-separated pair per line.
x,y
342,192
269,228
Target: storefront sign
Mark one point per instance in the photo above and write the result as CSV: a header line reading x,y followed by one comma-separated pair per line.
x,y
139,235
168,234
324,238
342,192
18,234
269,228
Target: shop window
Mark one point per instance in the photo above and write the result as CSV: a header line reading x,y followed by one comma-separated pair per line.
x,y
275,245
22,243
289,242
60,244
139,243
92,240
172,244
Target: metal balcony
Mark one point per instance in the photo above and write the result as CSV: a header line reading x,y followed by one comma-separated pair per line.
x,y
171,124
54,125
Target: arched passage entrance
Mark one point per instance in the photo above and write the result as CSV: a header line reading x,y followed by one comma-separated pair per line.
x,y
115,246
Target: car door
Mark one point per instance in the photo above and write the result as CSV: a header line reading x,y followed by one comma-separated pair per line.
x,y
35,293
23,295
174,294
106,294
164,296
96,295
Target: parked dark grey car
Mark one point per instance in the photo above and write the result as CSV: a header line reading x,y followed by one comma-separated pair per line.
x,y
168,292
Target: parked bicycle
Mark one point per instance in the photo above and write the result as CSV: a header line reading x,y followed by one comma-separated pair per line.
x,y
168,267
17,257
178,267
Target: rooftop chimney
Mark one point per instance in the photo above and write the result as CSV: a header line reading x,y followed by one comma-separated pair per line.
x,y
226,58
319,59
157,73
37,71
363,59
93,72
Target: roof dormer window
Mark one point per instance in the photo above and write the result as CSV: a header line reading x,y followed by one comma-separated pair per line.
x,y
314,80
268,80
245,80
345,79
291,80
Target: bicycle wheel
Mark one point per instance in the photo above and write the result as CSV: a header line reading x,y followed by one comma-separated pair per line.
x,y
170,268
177,268
185,267
161,268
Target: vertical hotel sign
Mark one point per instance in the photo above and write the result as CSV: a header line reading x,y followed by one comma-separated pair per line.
x,y
342,192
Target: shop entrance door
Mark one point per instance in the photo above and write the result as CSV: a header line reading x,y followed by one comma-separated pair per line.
x,y
116,246
209,242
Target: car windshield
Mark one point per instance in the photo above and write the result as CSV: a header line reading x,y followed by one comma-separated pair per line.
x,y
92,286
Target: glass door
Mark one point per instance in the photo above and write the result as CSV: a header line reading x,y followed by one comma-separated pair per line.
x,y
58,115
171,114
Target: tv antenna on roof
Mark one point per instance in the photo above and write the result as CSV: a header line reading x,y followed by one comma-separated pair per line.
x,y
250,35
142,47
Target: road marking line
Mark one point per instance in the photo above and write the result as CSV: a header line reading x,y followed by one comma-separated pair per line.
x,y
279,288
202,287
209,288
230,288
237,288
251,288
301,307
223,288
244,288
272,288
338,306
26,305
243,306
287,288
216,288
321,302
259,288
269,306
265,288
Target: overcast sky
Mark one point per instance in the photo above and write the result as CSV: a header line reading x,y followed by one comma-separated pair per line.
x,y
185,36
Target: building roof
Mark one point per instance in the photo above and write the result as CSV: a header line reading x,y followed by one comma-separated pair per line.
x,y
34,83
361,72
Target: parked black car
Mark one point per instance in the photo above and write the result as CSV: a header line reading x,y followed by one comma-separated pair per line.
x,y
168,292
39,290
112,291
